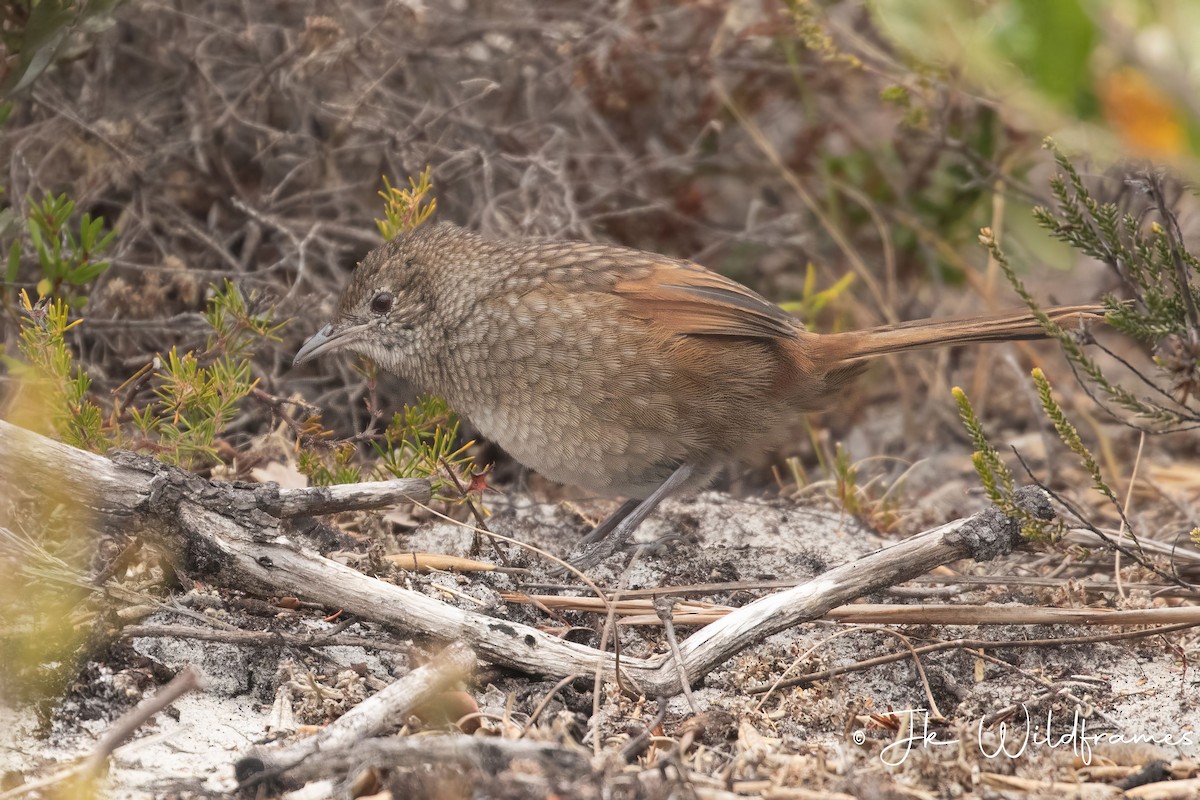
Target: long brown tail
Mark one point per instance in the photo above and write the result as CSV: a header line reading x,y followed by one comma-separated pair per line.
x,y
927,333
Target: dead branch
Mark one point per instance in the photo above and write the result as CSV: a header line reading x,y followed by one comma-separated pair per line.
x,y
383,710
458,752
348,496
959,614
221,533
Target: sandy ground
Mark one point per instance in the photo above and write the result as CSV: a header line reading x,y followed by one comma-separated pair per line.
x,y
865,734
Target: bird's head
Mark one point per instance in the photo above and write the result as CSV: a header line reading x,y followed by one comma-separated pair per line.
x,y
392,310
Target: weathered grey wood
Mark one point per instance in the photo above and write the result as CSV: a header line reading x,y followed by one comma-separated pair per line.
x,y
350,497
218,532
982,536
488,754
32,465
383,710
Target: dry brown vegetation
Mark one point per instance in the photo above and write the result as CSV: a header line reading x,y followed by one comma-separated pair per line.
x,y
249,140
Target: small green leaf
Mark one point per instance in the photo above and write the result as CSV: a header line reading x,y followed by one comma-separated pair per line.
x,y
35,231
87,272
14,263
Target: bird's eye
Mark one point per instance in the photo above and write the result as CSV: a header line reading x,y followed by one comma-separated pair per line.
x,y
382,302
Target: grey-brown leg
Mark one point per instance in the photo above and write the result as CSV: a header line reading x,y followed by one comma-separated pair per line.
x,y
608,523
590,553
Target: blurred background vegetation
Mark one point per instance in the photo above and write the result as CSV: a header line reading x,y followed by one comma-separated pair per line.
x,y
840,157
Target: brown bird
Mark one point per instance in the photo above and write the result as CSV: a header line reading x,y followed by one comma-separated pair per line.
x,y
616,370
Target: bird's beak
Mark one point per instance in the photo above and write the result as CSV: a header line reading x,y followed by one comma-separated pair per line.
x,y
331,337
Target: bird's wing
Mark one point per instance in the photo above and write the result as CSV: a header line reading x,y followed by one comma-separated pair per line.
x,y
689,299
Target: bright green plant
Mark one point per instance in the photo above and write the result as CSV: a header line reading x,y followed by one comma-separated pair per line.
x,y
422,440
195,394
68,260
994,474
406,209
53,390
813,301
195,402
1162,276
239,321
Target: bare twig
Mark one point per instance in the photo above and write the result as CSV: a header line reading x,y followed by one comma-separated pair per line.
x,y
81,776
1174,238
367,719
348,497
962,644
662,609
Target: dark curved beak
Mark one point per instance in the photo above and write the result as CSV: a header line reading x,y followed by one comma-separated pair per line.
x,y
331,337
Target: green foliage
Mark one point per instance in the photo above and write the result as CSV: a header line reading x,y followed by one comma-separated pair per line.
x,y
1146,259
1069,435
1054,41
898,95
68,260
812,301
871,500
1066,67
422,440
57,389
326,468
880,511
1162,276
405,209
811,32
994,474
238,321
35,32
195,394
195,402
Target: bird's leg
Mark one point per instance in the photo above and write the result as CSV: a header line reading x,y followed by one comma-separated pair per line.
x,y
627,519
608,523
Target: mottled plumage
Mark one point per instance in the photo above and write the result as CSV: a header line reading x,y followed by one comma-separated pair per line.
x,y
605,367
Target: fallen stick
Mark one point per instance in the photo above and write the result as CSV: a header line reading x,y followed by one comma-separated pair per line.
x,y
79,780
221,533
948,614
487,754
387,708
